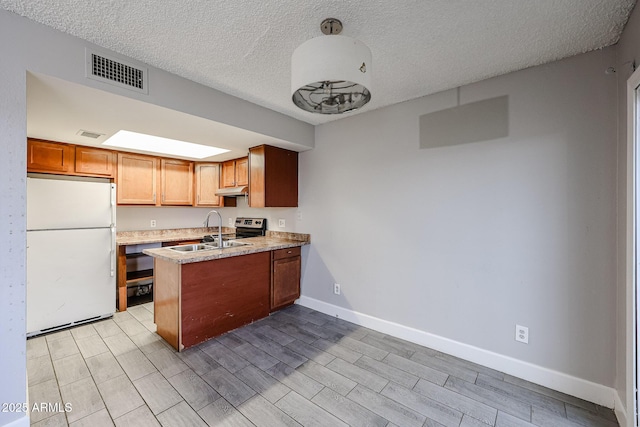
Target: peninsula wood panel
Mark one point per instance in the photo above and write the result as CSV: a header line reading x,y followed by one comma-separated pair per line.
x,y
49,157
166,301
95,161
223,294
136,181
177,182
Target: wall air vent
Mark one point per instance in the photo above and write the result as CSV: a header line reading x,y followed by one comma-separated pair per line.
x,y
116,72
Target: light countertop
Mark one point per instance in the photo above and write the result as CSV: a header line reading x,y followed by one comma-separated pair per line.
x,y
170,235
272,241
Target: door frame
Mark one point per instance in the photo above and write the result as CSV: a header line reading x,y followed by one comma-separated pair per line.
x,y
632,250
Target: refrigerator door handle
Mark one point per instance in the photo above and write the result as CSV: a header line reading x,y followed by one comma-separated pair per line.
x,y
113,251
113,204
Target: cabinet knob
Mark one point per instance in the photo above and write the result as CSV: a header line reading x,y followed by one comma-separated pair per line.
x,y
289,252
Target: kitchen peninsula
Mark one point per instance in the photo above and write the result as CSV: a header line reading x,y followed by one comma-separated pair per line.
x,y
201,294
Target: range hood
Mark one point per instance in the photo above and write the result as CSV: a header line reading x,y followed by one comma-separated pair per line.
x,y
233,191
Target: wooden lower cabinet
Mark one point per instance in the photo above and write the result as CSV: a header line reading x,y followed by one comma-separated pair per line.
x,y
198,301
285,277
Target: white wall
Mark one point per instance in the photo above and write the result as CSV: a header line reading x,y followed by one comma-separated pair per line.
x,y
27,46
464,242
628,52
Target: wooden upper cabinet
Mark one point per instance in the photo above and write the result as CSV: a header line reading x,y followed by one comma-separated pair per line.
x,y
235,172
177,182
49,157
273,177
242,171
136,180
207,182
95,161
67,159
228,174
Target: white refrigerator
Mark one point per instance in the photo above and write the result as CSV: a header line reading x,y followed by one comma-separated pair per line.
x,y
71,252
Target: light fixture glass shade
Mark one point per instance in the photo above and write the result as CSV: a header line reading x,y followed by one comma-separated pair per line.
x,y
331,75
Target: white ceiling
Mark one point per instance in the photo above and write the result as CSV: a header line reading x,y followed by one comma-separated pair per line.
x,y
419,47
57,110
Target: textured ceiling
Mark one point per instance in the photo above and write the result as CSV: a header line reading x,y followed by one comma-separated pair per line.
x,y
419,47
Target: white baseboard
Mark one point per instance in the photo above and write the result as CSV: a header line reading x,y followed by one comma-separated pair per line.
x,y
20,422
555,380
621,413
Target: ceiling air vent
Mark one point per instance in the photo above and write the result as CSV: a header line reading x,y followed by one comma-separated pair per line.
x,y
116,72
88,134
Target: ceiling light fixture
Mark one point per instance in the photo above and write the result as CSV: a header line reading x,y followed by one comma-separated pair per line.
x,y
331,74
157,144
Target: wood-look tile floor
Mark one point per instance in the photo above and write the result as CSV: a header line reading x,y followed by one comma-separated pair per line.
x,y
296,367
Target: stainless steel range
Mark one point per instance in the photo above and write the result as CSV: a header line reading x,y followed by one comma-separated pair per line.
x,y
245,227
250,227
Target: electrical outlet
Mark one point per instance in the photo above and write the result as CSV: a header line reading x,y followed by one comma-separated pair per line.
x,y
522,334
153,223
281,222
231,222
299,215
336,288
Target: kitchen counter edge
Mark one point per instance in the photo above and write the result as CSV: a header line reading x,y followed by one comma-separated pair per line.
x,y
141,237
257,244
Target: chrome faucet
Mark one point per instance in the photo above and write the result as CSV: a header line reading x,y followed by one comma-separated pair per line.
x,y
206,224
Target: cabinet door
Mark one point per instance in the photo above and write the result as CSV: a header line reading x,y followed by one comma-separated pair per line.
x,y
274,177
51,157
242,171
94,161
229,174
207,178
177,182
136,181
285,281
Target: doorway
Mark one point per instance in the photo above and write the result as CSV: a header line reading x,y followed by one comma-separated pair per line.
x,y
632,249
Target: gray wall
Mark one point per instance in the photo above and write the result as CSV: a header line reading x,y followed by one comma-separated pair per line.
x,y
28,46
628,51
513,230
466,241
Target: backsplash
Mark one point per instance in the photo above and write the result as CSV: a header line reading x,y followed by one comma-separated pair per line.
x,y
130,218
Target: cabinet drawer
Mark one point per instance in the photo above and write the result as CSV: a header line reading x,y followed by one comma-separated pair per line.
x,y
286,253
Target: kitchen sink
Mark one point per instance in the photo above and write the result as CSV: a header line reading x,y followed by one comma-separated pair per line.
x,y
191,248
228,244
207,246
